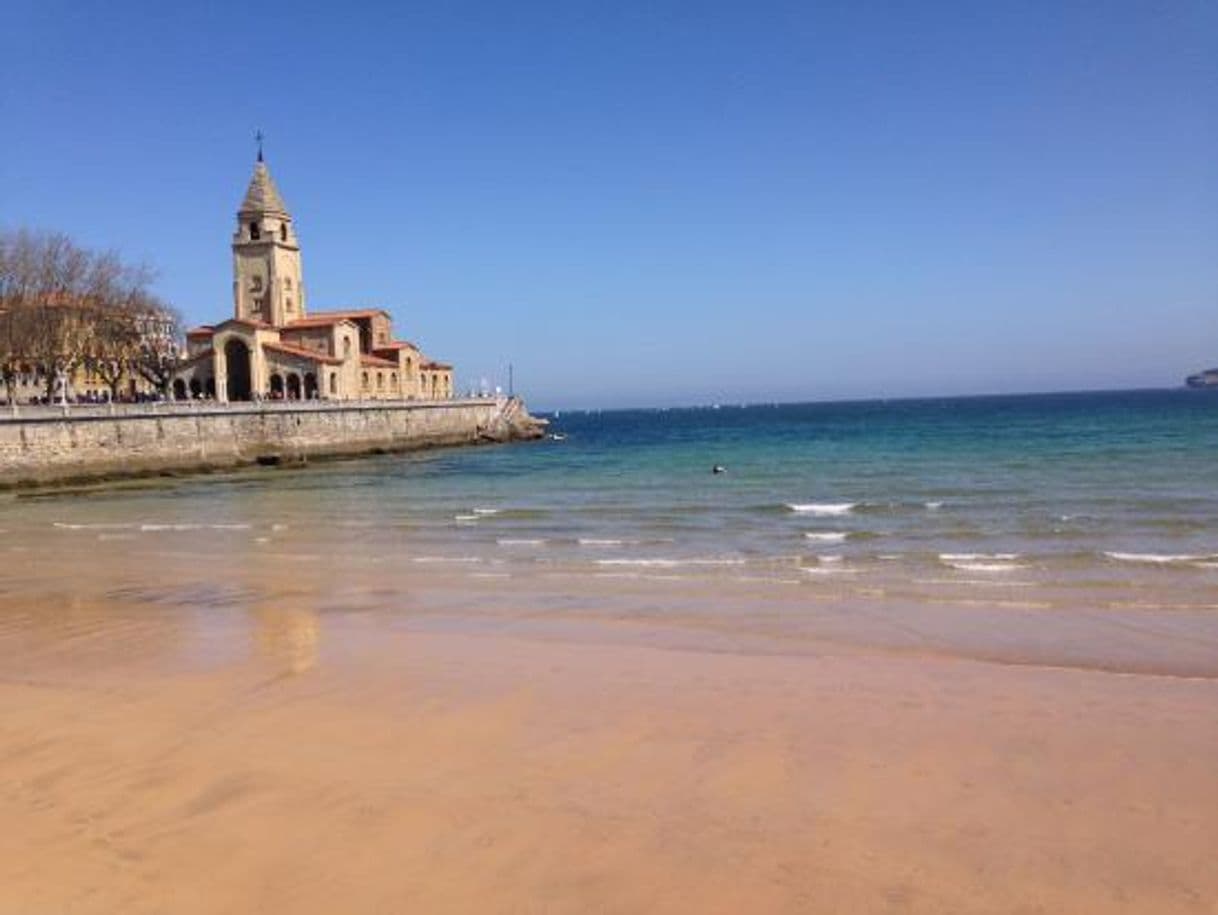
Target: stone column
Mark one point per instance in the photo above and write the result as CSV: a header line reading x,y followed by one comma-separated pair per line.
x,y
220,370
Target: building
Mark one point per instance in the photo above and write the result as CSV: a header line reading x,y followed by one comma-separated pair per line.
x,y
274,348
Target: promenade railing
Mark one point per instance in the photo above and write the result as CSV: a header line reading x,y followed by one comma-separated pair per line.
x,y
46,412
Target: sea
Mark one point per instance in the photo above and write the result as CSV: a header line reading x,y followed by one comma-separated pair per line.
x,y
1104,500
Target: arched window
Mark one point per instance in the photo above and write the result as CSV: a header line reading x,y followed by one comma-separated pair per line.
x,y
380,381
346,346
255,231
334,383
287,283
287,303
393,381
364,381
283,232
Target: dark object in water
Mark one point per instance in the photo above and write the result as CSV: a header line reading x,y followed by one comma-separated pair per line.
x,y
718,468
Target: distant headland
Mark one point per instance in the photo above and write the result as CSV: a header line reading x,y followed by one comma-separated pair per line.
x,y
1205,379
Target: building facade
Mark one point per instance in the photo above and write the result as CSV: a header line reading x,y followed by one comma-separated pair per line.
x,y
273,348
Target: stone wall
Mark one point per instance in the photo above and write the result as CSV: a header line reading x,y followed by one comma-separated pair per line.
x,y
44,446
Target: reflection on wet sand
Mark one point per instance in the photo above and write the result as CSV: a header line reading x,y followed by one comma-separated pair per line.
x,y
287,637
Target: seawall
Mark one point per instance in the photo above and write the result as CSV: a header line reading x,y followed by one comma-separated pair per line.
x,y
48,445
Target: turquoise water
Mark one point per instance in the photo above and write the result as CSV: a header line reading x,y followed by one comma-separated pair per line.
x,y
1113,496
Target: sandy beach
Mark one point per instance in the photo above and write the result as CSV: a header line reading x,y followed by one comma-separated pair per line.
x,y
289,745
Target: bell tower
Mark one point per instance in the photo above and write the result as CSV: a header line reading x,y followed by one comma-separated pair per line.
x,y
267,281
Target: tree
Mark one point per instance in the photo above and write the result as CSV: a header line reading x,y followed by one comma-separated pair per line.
x,y
63,306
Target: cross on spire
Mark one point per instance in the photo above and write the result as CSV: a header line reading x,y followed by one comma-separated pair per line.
x,y
258,137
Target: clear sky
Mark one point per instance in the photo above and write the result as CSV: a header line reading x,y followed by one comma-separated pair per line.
x,y
659,203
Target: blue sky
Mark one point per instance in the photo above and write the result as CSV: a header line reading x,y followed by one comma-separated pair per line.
x,y
663,203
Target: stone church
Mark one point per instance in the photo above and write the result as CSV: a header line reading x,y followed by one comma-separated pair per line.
x,y
273,348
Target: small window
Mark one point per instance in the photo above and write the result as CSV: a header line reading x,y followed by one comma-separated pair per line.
x,y
287,283
364,381
346,346
255,231
334,382
380,381
255,283
287,303
283,232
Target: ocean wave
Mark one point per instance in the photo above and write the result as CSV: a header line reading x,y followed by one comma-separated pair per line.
x,y
485,511
446,559
829,558
828,570
976,557
520,541
467,519
195,527
665,563
1160,558
66,526
822,508
987,566
826,536
933,506
598,541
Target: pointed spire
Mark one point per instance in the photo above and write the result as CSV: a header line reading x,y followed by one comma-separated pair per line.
x,y
263,196
258,137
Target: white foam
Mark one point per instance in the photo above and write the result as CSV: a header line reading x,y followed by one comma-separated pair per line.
x,y
486,511
827,570
64,525
443,559
986,566
1157,558
595,541
466,519
974,557
519,541
669,563
933,506
195,527
829,559
822,508
826,536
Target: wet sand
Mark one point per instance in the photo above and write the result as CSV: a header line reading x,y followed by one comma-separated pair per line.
x,y
177,740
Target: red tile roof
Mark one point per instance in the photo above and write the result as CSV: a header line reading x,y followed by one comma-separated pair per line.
x,y
396,344
315,321
203,330
432,365
349,313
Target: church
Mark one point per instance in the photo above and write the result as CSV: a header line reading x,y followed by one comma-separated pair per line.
x,y
273,348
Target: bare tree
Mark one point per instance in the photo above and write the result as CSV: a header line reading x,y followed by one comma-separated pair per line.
x,y
160,349
63,307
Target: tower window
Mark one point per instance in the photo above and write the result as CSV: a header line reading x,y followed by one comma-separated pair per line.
x,y
283,232
255,231
287,282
